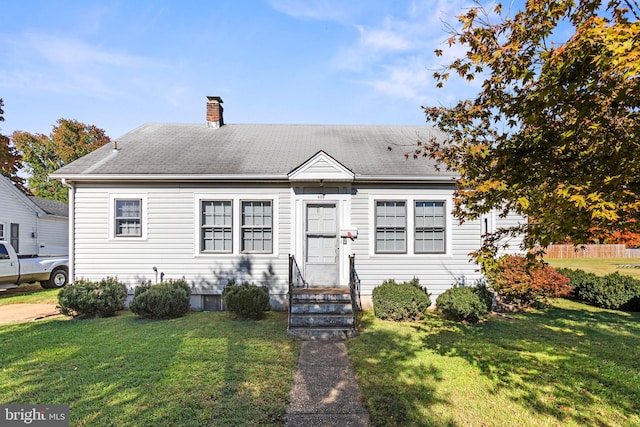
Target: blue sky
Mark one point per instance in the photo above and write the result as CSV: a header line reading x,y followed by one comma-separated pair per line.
x,y
119,64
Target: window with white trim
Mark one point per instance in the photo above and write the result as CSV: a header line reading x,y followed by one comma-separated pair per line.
x,y
128,217
216,229
257,227
429,227
2,232
391,226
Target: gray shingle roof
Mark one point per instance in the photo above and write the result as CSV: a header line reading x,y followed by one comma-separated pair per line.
x,y
246,149
51,207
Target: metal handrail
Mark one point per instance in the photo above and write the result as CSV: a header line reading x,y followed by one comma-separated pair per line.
x,y
354,288
295,281
295,275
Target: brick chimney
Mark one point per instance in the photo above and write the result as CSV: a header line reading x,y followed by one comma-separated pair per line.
x,y
214,112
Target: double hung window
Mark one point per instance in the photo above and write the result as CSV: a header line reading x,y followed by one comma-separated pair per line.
x,y
257,227
429,225
391,226
217,225
404,224
128,217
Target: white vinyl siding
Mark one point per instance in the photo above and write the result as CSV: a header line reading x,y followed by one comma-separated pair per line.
x,y
436,271
429,227
39,234
257,227
128,217
217,226
171,236
53,236
391,227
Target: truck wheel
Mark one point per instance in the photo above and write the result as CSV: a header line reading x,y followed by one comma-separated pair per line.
x,y
58,279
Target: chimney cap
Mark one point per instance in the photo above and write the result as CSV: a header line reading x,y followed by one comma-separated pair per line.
x,y
214,98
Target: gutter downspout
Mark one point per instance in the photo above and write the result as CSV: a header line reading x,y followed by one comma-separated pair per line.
x,y
72,234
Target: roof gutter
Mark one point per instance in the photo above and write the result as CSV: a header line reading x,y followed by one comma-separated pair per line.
x,y
241,178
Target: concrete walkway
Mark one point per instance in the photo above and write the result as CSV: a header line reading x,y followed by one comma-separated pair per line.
x,y
325,391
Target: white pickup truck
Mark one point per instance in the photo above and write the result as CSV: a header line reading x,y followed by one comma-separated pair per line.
x,y
51,272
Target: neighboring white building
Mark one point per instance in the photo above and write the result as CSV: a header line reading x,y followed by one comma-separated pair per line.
x,y
213,201
33,226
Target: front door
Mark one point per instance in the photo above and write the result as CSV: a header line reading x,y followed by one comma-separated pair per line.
x,y
321,245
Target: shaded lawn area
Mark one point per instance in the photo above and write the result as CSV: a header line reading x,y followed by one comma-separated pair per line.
x,y
202,369
568,365
30,293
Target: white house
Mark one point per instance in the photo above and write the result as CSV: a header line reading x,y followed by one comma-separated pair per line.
x,y
215,201
34,226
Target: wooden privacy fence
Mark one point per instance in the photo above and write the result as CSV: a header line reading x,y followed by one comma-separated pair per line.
x,y
591,251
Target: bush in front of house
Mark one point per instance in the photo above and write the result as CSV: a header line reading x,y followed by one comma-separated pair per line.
x,y
405,301
166,300
486,295
614,291
462,304
527,283
92,299
247,300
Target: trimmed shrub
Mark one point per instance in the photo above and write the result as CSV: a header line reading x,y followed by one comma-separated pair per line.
x,y
485,294
92,299
527,283
166,300
462,303
247,300
613,291
400,301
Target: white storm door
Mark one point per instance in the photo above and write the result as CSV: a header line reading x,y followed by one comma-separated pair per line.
x,y
321,246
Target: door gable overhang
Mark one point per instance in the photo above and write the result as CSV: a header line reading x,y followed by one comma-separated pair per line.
x,y
321,167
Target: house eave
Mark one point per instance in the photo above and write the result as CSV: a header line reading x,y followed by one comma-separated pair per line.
x,y
405,178
279,178
168,178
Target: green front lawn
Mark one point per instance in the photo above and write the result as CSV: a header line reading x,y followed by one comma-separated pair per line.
x,y
202,369
569,365
599,266
31,293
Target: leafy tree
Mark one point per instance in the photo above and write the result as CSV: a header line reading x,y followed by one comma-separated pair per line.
x,y
43,155
10,161
554,131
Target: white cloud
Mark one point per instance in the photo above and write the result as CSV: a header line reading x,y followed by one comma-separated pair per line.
x,y
68,53
62,64
395,54
320,10
403,82
383,39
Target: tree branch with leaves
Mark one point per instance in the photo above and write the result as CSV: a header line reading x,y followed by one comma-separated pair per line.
x,y
553,134
43,155
10,160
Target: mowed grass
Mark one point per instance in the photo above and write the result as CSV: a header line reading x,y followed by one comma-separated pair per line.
x,y
569,365
31,293
204,369
599,266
